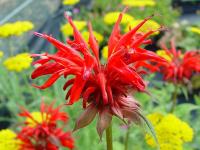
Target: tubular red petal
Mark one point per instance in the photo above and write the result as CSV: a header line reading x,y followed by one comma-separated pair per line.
x,y
64,48
68,95
78,39
51,80
45,69
41,61
62,61
141,39
86,95
102,83
126,39
115,35
77,88
148,55
129,76
110,96
93,43
68,83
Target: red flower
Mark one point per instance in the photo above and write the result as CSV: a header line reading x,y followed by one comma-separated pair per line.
x,y
179,67
41,132
104,88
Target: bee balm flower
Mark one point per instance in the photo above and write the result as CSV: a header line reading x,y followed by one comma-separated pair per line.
x,y
105,89
41,129
178,66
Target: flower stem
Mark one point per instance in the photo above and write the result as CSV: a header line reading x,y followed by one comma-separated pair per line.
x,y
127,138
174,99
109,137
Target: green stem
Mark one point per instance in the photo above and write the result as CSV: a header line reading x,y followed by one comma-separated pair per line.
x,y
127,138
174,99
109,138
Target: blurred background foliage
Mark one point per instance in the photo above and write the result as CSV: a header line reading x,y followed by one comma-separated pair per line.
x,y
47,16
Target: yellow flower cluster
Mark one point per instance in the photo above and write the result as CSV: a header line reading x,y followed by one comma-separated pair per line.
x,y
163,53
37,116
67,29
97,35
8,140
16,28
19,62
195,30
138,3
70,2
171,132
149,25
111,17
105,52
1,54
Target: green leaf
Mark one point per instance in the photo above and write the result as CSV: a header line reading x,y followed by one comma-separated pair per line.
x,y
185,92
184,109
151,128
117,145
197,99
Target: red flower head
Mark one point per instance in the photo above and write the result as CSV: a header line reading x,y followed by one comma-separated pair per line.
x,y
41,131
105,89
179,67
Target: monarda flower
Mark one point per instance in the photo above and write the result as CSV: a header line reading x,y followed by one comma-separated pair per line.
x,y
179,67
41,129
105,89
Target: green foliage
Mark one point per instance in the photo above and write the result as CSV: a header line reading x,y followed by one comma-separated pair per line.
x,y
16,89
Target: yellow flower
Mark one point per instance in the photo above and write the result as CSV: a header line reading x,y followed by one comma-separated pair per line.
x,y
70,2
149,25
37,116
19,62
163,53
8,140
171,132
155,118
187,132
111,17
97,35
139,3
195,30
15,29
105,52
1,54
67,29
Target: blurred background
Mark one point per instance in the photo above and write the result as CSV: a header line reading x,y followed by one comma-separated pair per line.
x,y
20,18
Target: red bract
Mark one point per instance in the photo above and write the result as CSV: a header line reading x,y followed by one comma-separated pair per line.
x,y
104,88
181,67
45,134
